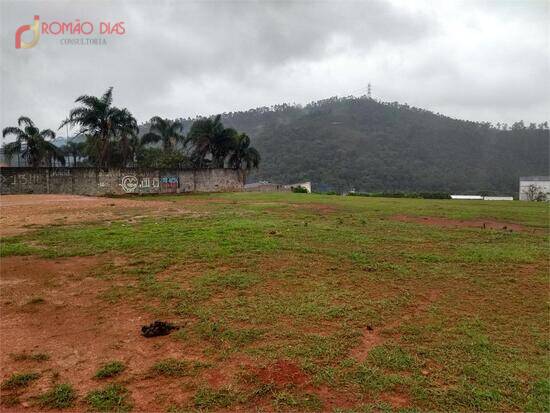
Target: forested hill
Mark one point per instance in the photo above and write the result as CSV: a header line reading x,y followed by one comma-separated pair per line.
x,y
344,143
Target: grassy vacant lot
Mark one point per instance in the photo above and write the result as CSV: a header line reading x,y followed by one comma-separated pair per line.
x,y
286,302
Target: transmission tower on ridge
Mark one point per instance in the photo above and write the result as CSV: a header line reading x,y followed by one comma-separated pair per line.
x,y
368,91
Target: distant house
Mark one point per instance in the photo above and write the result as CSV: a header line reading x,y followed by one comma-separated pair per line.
x,y
534,188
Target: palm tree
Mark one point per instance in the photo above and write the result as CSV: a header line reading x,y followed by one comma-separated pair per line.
x,y
166,131
74,150
211,142
128,136
134,150
101,122
32,143
243,156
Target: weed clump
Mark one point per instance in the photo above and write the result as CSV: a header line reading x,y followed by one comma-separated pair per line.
x,y
111,369
113,397
30,357
206,398
18,380
176,368
60,397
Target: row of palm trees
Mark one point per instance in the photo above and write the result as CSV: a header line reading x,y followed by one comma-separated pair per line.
x,y
112,138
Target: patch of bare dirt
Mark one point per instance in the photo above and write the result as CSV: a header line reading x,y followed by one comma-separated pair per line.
x,y
396,400
335,399
54,308
21,213
281,374
455,223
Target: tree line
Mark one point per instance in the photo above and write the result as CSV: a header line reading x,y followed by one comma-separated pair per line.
x,y
108,136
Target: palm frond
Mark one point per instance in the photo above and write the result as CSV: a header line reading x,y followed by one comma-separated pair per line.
x,y
12,130
107,97
25,120
47,134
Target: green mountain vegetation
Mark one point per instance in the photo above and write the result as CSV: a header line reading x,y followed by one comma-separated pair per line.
x,y
360,143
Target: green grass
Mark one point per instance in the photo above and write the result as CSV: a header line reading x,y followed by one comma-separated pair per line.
x,y
111,398
62,396
12,246
18,380
373,380
459,315
111,369
391,357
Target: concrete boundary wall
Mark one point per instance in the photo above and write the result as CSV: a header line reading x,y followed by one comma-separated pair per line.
x,y
92,181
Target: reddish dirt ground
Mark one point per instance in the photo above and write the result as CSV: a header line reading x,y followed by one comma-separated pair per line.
x,y
78,330
281,374
454,223
20,213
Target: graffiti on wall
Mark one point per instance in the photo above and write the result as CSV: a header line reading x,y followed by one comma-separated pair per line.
x,y
131,183
61,172
169,181
22,179
93,181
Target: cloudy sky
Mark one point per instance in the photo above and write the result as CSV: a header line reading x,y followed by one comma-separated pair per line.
x,y
478,60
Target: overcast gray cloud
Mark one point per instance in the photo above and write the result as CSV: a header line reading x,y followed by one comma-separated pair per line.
x,y
467,59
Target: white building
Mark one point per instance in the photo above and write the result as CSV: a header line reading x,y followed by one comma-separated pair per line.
x,y
530,187
467,197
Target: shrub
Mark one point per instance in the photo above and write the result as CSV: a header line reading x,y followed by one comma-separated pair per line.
x,y
299,190
435,195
